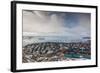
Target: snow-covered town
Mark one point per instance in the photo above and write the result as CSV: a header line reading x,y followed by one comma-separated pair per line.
x,y
56,51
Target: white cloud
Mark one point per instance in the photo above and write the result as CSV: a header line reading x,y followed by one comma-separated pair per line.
x,y
39,22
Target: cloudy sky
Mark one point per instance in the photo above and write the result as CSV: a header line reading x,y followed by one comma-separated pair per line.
x,y
56,23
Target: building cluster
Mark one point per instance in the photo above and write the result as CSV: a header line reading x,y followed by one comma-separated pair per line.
x,y
54,51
